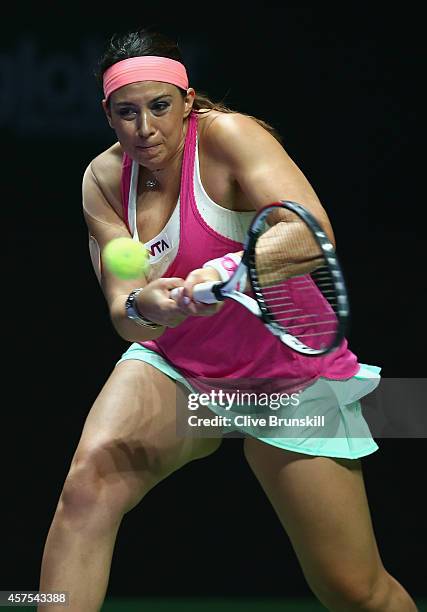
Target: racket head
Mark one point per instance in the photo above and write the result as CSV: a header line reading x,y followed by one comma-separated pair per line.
x,y
296,279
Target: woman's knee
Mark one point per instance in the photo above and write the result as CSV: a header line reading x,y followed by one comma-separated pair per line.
x,y
103,477
364,590
114,475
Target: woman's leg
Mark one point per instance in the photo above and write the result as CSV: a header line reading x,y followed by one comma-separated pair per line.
x,y
128,445
321,503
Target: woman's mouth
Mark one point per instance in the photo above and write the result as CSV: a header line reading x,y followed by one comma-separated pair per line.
x,y
148,150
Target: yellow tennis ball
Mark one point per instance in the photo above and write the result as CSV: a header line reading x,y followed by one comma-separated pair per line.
x,y
126,258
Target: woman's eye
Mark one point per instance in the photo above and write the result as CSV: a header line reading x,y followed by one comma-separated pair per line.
x,y
127,112
160,106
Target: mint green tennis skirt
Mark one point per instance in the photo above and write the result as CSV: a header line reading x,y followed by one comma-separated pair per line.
x,y
327,420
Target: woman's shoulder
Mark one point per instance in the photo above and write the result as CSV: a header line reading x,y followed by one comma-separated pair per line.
x,y
107,166
211,120
220,131
105,170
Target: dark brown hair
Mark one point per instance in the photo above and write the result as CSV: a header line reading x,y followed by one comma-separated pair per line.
x,y
144,41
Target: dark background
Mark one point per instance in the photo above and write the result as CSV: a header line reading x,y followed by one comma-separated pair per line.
x,y
341,86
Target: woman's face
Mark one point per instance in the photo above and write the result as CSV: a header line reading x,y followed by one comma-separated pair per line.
x,y
148,118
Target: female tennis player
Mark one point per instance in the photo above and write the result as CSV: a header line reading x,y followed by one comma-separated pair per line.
x,y
186,177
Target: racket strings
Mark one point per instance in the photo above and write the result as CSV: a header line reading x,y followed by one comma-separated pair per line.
x,y
286,250
302,305
295,282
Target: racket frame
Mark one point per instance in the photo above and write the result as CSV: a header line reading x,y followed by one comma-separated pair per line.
x,y
331,260
219,291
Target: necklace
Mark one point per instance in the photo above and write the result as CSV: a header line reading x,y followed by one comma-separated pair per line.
x,y
152,183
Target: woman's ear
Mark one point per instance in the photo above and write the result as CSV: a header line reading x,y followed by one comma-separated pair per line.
x,y
107,112
188,101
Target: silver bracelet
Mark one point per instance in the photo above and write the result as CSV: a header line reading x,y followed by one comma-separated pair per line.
x,y
133,313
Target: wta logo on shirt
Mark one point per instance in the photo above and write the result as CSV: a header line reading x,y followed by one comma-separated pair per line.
x,y
159,246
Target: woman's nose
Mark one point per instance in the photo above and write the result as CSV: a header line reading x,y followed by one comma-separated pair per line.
x,y
145,125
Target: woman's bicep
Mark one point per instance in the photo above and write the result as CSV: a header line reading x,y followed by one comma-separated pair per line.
x,y
104,224
262,168
95,256
100,216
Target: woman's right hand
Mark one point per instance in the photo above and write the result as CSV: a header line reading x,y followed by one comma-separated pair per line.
x,y
154,302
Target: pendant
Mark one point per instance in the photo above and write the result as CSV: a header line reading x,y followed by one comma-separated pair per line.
x,y
151,183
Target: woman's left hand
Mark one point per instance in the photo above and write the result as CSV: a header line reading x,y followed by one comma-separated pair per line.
x,y
185,300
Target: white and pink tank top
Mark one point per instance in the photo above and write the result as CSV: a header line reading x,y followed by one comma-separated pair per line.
x,y
232,343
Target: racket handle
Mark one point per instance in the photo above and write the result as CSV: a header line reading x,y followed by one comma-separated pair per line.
x,y
201,293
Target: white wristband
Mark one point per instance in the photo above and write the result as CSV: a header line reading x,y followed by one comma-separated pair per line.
x,y
226,266
217,265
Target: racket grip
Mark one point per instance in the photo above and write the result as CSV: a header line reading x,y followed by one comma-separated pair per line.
x,y
202,293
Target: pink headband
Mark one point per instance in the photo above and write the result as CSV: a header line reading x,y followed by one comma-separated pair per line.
x,y
146,68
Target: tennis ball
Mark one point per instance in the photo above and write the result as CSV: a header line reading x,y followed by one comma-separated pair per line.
x,y
125,258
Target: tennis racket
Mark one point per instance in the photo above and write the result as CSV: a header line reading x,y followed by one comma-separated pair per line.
x,y
297,287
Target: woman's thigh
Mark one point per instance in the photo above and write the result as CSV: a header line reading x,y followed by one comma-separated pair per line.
x,y
322,504
130,432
